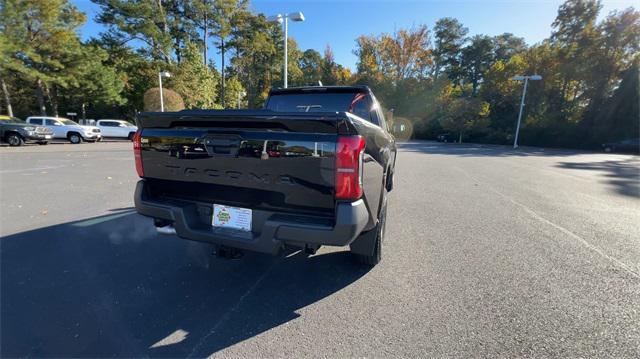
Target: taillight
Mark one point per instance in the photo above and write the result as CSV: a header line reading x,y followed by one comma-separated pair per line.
x,y
349,154
137,152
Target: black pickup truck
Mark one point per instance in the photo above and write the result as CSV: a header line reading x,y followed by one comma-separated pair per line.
x,y
313,168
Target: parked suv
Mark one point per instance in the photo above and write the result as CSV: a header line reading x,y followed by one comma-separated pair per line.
x,y
117,128
15,132
65,128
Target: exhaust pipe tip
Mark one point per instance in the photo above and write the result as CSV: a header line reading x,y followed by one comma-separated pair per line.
x,y
168,229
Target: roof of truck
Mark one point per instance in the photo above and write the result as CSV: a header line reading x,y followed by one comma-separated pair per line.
x,y
334,89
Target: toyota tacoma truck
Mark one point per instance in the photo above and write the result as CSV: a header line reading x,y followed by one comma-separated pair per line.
x,y
65,128
312,168
15,132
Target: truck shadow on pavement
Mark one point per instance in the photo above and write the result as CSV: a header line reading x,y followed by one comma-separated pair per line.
x,y
110,286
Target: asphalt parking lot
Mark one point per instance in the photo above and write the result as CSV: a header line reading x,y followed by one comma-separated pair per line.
x,y
489,252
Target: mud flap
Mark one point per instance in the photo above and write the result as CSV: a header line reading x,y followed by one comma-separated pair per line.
x,y
365,244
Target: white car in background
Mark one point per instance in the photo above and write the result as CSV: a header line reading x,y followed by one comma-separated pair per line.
x,y
65,128
117,128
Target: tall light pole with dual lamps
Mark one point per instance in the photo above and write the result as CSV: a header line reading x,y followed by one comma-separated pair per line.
x,y
284,18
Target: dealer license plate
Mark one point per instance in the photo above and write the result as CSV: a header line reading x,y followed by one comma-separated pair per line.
x,y
231,217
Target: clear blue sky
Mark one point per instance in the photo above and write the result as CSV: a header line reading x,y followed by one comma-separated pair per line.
x,y
339,23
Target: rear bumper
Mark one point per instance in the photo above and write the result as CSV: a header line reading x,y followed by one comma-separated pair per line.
x,y
270,230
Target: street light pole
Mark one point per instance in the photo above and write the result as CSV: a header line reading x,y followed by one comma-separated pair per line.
x,y
294,16
161,97
240,96
160,75
286,52
524,94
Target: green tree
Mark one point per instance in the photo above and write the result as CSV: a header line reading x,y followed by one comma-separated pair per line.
x,y
369,62
465,114
258,55
332,72
405,54
450,36
40,44
293,63
141,20
507,45
235,93
476,58
4,77
620,113
136,71
503,95
575,36
225,13
615,52
195,81
310,65
202,13
97,85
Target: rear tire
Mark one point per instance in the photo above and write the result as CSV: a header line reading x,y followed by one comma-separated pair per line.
x,y
14,140
377,236
43,143
130,137
74,138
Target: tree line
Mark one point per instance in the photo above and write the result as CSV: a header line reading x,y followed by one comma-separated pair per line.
x,y
434,80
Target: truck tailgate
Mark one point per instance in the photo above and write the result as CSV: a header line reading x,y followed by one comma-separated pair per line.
x,y
279,163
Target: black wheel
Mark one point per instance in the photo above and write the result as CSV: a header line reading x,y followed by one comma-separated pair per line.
x,y
74,138
130,137
13,139
372,241
43,143
389,182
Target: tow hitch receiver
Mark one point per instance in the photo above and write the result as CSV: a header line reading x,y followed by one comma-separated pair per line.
x,y
228,252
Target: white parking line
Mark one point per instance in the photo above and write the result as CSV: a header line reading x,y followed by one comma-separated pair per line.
x,y
569,233
33,169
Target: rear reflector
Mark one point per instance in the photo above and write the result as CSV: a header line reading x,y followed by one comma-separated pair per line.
x,y
349,154
137,152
